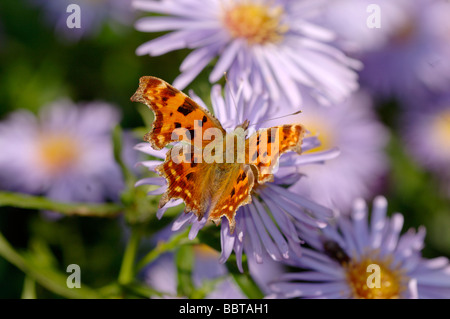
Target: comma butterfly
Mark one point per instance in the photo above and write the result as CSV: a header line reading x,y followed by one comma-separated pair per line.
x,y
202,173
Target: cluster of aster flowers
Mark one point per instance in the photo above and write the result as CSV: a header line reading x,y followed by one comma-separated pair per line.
x,y
346,257
281,57
271,44
65,153
405,59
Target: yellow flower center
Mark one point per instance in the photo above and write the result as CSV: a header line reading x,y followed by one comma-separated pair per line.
x,y
57,153
374,278
322,131
257,23
441,130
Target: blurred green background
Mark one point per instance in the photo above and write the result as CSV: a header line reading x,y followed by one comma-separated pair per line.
x,y
37,68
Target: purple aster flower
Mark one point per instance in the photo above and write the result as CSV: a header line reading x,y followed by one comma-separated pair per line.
x,y
273,45
426,130
93,15
414,59
267,224
360,259
66,153
350,20
353,128
161,275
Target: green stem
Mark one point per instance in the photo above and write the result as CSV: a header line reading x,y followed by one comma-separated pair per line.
x,y
42,203
29,288
126,274
142,291
48,278
248,286
163,247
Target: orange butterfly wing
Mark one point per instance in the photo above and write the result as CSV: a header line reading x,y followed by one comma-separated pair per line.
x,y
173,109
187,180
234,194
264,148
216,189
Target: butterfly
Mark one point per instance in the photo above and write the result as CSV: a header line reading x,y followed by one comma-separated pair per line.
x,y
215,188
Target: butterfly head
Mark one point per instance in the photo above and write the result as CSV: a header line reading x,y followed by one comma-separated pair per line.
x,y
242,129
244,125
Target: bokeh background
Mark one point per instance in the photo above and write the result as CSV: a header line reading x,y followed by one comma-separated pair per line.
x,y
40,63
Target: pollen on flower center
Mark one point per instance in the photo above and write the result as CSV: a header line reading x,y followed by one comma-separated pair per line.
x,y
323,133
386,282
56,153
257,23
441,129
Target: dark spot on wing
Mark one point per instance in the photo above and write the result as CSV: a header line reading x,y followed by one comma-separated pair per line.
x,y
151,81
242,177
177,125
183,110
286,131
168,92
187,107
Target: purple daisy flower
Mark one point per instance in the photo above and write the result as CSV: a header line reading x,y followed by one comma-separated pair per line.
x,y
266,224
426,130
351,126
356,258
65,154
93,15
414,59
161,275
272,45
351,19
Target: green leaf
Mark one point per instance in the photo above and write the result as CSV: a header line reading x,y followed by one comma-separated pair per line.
x,y
117,137
42,203
207,287
126,274
174,242
244,280
49,278
146,114
29,288
184,262
142,291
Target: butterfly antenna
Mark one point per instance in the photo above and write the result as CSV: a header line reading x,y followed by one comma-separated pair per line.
x,y
276,118
231,92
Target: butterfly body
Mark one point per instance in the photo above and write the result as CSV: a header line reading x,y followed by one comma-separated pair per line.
x,y
212,171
